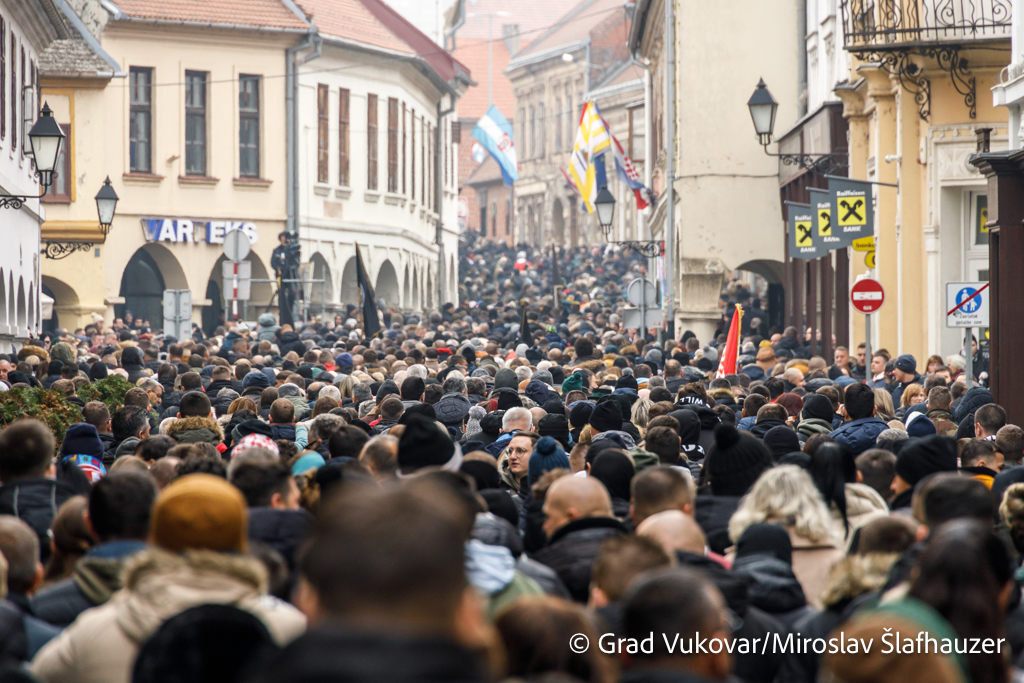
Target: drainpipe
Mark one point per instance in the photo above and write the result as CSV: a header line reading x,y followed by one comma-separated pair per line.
x,y
439,196
801,60
669,232
313,40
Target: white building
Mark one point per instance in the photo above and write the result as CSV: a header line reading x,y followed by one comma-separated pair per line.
x,y
27,28
378,158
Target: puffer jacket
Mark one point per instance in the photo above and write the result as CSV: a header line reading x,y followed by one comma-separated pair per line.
x,y
573,548
811,426
859,435
101,645
196,430
267,328
772,587
975,398
290,342
35,501
863,505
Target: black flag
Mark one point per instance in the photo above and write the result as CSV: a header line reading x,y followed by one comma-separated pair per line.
x,y
524,328
371,325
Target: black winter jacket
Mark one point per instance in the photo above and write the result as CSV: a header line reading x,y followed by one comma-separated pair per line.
x,y
573,548
35,501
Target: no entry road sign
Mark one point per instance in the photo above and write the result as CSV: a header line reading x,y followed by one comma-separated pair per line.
x,y
867,295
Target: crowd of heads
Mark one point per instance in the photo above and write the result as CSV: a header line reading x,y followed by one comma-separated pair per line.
x,y
467,494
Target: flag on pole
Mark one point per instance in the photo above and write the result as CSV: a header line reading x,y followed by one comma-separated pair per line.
x,y
368,300
592,140
628,174
495,133
730,355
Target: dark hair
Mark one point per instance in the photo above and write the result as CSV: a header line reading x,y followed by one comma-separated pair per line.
x,y
348,442
194,404
136,396
120,505
282,411
974,449
259,481
155,447
129,421
961,573
413,388
832,468
878,468
947,496
677,601
191,380
204,464
96,413
772,411
663,442
432,394
584,348
1010,442
859,401
26,450
775,386
991,417
659,488
659,394
892,534
752,404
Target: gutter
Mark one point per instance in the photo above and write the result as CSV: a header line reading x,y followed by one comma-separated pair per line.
x,y
439,196
313,40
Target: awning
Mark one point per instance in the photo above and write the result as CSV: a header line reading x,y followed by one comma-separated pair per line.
x,y
46,304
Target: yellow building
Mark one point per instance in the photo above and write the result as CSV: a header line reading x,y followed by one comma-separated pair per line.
x,y
191,133
918,91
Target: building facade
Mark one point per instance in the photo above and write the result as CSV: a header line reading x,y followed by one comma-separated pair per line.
x,y
914,104
378,151
727,213
551,78
27,29
191,134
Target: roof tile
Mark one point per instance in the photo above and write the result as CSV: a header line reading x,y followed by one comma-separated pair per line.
x,y
255,13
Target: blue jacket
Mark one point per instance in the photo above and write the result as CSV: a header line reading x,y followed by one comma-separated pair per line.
x,y
859,435
746,423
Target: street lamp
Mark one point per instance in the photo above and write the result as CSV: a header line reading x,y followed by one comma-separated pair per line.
x,y
46,139
763,108
605,205
106,205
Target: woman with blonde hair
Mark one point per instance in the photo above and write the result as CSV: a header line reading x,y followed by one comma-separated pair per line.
x,y
786,495
639,415
884,409
345,386
912,395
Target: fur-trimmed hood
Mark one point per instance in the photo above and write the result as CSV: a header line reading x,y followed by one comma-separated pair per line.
x,y
855,575
159,584
30,350
197,425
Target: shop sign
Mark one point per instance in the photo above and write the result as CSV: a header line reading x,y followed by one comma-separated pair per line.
x,y
186,230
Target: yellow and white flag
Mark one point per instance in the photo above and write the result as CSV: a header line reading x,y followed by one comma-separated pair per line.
x,y
592,140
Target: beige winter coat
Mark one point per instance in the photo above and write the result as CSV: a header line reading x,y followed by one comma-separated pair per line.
x,y
863,505
102,643
812,562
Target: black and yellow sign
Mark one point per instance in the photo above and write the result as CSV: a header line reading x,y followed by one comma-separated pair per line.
x,y
803,240
852,210
823,219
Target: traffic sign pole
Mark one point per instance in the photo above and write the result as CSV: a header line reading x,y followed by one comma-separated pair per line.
x,y
867,342
969,355
867,296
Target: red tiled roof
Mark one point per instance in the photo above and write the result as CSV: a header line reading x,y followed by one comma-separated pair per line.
x,y
350,20
574,26
255,13
473,104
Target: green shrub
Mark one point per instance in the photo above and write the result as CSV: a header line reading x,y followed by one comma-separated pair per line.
x,y
110,390
47,405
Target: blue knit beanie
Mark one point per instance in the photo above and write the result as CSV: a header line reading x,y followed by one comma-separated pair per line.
x,y
547,455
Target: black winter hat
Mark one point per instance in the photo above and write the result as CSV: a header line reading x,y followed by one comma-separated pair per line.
x,y
736,460
422,444
615,471
556,426
765,538
580,414
781,441
484,474
607,416
920,457
508,398
386,390
627,382
817,407
424,409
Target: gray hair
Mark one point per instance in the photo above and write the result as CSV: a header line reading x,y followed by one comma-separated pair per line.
x,y
515,418
417,370
523,373
892,435
655,382
149,384
330,391
454,385
361,392
324,426
366,406
956,362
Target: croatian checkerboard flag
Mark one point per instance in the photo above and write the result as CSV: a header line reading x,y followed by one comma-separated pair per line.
x,y
494,132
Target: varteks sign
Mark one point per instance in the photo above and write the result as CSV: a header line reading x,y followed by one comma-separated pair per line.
x,y
186,230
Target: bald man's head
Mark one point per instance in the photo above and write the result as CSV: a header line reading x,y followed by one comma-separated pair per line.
x,y
572,498
674,530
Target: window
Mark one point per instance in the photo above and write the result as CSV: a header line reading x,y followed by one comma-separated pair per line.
x,y
558,124
371,142
543,129
60,191
403,148
249,126
392,144
412,154
533,131
195,123
323,156
140,124
14,93
637,139
343,97
3,79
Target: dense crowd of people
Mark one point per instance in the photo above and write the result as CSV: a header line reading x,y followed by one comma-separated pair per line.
x,y
463,498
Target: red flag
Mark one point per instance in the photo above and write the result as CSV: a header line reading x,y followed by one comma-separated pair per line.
x,y
731,354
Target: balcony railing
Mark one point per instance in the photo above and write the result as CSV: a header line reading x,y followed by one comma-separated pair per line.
x,y
894,25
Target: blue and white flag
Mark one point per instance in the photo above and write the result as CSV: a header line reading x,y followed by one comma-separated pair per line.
x,y
495,133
